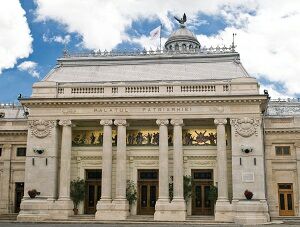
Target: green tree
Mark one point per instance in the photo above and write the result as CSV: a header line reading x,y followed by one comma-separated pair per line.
x,y
131,192
77,192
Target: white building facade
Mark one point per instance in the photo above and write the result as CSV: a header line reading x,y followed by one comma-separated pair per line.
x,y
152,117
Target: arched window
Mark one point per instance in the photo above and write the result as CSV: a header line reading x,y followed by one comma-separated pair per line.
x,y
176,47
183,47
190,46
170,47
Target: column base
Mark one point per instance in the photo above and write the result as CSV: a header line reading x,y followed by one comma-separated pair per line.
x,y
251,212
223,211
33,210
36,210
115,210
166,211
61,209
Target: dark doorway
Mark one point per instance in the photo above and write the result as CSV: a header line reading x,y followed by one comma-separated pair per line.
x,y
147,191
19,193
202,180
92,190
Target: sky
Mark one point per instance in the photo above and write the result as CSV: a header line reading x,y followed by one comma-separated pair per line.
x,y
34,33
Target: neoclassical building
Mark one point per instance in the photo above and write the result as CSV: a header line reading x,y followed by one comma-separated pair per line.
x,y
151,117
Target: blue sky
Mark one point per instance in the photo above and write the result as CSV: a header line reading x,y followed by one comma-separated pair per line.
x,y
54,25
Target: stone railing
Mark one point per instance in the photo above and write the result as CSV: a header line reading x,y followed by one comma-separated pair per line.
x,y
286,100
103,90
144,52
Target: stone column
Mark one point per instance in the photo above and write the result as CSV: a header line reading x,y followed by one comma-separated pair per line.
x,y
178,201
163,161
5,187
223,208
297,147
177,160
222,160
65,160
106,161
121,160
122,206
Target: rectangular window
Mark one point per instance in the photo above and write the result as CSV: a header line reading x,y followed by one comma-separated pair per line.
x,y
282,150
0,151
21,151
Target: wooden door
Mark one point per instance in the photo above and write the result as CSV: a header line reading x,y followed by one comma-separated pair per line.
x,y
286,200
92,190
19,193
202,180
147,191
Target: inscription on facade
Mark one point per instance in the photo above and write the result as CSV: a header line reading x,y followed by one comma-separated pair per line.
x,y
143,109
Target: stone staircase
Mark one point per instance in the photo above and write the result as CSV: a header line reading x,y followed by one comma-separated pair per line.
x,y
8,217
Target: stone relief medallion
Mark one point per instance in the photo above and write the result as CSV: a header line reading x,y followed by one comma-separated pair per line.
x,y
41,128
245,127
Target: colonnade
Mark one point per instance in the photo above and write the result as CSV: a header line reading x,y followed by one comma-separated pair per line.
x,y
106,205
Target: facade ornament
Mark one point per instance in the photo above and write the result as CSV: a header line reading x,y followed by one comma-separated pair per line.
x,y
106,122
177,122
162,122
120,122
220,121
41,128
65,123
245,127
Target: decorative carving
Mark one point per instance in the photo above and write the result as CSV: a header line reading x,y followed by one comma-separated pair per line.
x,y
245,127
161,122
177,122
120,122
41,128
220,121
106,122
65,123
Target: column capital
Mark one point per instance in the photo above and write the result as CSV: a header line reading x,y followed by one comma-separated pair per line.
x,y
177,122
106,122
65,123
220,121
161,122
120,122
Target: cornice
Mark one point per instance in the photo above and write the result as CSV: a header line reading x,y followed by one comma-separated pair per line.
x,y
190,100
282,130
15,132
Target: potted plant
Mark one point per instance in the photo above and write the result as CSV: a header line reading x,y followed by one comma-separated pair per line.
x,y
77,193
248,194
131,192
187,188
33,193
213,194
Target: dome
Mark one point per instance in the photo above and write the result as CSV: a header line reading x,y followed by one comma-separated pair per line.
x,y
182,39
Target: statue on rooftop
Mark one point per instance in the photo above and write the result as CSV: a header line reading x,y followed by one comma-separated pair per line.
x,y
182,20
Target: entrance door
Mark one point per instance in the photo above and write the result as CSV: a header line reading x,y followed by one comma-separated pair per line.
x,y
19,193
202,180
147,191
92,190
286,200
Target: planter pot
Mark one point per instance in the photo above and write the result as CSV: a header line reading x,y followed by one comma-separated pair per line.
x,y
75,211
33,193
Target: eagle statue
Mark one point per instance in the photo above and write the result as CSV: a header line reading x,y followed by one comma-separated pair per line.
x,y
182,20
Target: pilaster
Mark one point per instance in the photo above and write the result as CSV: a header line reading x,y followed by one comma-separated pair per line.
x,y
6,181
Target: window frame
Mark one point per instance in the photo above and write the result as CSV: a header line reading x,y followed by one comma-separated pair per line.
x,y
282,151
18,149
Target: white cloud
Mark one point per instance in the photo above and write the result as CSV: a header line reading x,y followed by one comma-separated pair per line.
x,y
268,43
58,39
103,24
268,31
273,93
30,67
15,38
